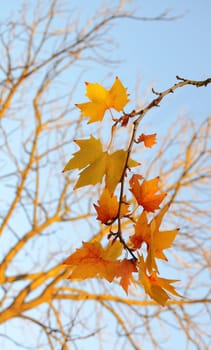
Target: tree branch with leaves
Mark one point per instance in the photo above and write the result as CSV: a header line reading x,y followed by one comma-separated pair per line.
x,y
93,260
45,53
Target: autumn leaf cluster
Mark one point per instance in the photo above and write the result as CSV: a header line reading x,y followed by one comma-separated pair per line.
x,y
129,259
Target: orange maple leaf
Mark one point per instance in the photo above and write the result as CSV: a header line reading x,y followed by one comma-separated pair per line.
x,y
155,286
108,207
156,240
149,140
142,232
159,240
92,260
103,99
162,239
125,270
145,193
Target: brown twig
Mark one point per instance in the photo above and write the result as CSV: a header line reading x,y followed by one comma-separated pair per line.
x,y
141,113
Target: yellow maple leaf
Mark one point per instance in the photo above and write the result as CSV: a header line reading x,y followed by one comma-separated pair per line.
x,y
115,166
155,286
145,193
108,207
91,158
96,163
117,96
103,99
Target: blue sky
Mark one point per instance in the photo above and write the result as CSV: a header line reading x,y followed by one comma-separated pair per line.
x,y
152,54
